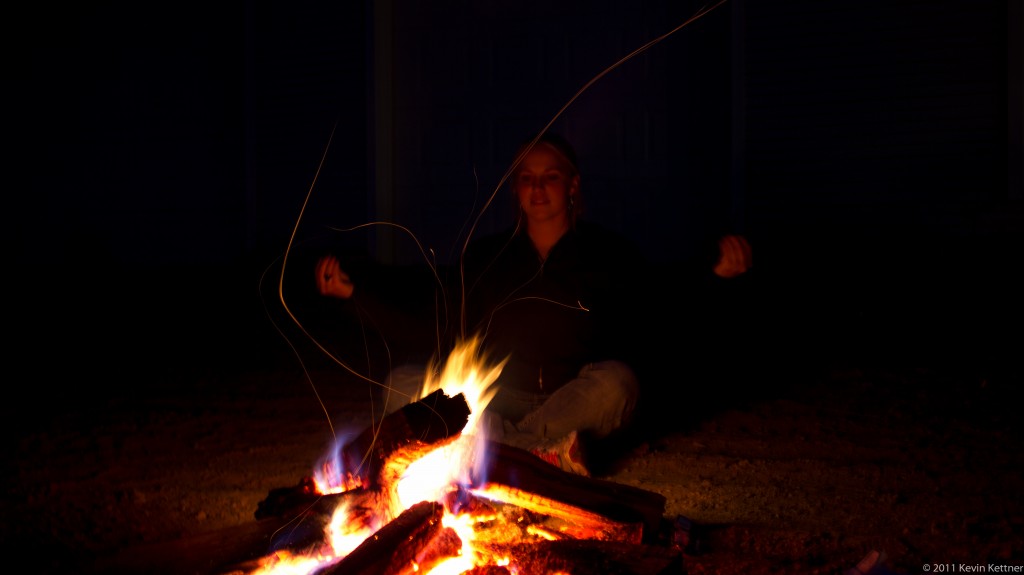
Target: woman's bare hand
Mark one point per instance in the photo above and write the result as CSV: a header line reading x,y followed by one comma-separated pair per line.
x,y
331,280
734,256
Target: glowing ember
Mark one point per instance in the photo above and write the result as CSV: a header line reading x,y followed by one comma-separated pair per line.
x,y
477,525
432,476
346,535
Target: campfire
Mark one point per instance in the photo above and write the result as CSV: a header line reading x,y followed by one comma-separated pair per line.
x,y
425,491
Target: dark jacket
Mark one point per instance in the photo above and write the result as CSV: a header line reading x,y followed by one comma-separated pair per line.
x,y
550,318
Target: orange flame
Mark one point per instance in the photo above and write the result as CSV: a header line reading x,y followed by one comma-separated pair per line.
x,y
429,478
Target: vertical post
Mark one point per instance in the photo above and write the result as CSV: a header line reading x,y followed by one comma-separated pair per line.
x,y
1015,100
382,130
739,113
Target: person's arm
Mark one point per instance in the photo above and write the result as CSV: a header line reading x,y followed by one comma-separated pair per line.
x,y
399,305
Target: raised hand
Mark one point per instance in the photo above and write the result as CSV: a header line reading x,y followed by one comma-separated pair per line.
x,y
734,256
331,280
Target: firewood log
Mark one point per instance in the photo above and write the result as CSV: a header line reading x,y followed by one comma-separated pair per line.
x,y
430,419
527,473
594,558
394,548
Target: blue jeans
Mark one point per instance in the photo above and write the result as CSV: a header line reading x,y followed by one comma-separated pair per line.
x,y
600,400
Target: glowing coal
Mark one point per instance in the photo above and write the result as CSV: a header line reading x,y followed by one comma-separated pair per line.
x,y
409,501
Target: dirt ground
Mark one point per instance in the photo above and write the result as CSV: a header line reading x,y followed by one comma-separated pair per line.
x,y
807,467
921,464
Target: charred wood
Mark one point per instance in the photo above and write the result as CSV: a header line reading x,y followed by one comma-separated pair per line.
x,y
395,548
363,461
594,558
528,474
428,420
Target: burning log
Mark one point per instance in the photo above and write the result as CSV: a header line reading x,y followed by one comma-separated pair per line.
x,y
432,419
608,510
416,541
528,478
516,505
566,519
397,548
283,500
516,510
592,558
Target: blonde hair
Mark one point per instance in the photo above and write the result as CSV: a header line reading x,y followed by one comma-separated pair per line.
x,y
564,149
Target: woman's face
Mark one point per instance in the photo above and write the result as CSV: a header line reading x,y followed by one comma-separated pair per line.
x,y
544,183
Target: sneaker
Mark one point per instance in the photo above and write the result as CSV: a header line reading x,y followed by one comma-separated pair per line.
x,y
564,453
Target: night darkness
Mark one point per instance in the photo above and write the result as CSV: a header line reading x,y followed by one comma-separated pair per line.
x,y
167,158
871,153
